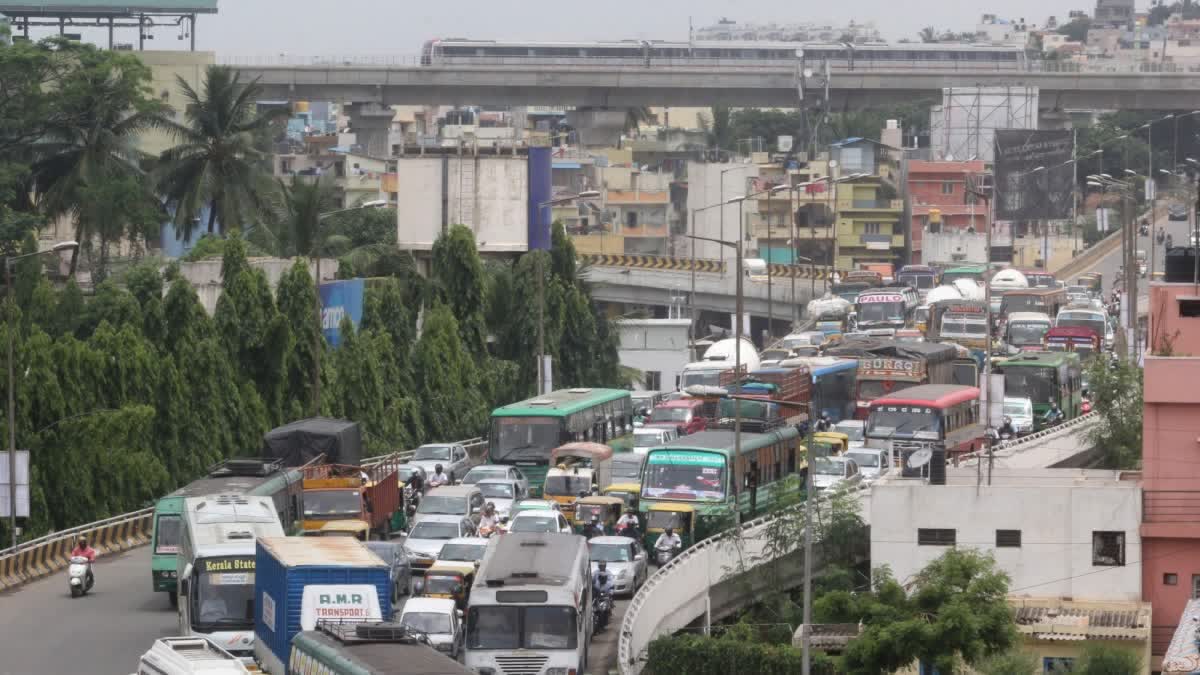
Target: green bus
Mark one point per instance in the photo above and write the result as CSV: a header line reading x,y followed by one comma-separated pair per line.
x,y
368,649
1043,378
523,434
972,272
703,473
251,477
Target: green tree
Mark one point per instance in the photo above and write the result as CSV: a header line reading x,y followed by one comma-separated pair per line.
x,y
1100,659
1012,662
459,275
718,125
296,299
955,610
1117,400
121,208
447,379
298,228
385,312
928,34
257,337
1076,30
359,228
218,163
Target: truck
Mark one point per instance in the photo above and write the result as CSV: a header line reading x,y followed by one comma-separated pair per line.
x,y
341,492
302,580
886,366
789,386
370,648
216,567
301,442
185,656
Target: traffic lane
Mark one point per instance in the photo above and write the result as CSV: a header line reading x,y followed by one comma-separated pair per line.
x,y
602,653
44,630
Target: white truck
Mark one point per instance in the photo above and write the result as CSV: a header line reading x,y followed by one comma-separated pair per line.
x,y
720,357
215,568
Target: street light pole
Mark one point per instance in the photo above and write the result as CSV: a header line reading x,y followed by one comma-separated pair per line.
x,y
12,381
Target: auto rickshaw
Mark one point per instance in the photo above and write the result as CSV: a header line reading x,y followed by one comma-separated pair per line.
x,y
626,492
577,468
678,516
450,579
830,443
359,529
607,508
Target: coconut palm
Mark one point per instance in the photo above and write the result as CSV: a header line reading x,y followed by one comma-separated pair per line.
x,y
218,162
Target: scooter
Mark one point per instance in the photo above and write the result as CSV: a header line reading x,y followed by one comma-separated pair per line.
x,y
78,576
602,610
662,556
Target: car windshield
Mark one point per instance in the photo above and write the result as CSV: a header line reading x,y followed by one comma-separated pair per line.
x,y
825,466
497,490
441,504
904,421
433,452
626,471
642,439
685,475
610,552
866,460
1027,332
567,486
670,414
426,622
462,552
853,431
166,539
528,627
1015,410
344,503
431,530
536,523
224,593
482,473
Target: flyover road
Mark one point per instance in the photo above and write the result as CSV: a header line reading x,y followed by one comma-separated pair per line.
x,y
44,631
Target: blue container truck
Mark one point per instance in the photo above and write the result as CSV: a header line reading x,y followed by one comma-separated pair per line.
x,y
302,580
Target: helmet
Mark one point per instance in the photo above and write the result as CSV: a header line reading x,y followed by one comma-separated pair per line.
x,y
1007,419
825,416
670,530
603,565
437,468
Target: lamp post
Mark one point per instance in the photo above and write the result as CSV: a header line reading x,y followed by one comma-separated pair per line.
x,y
692,299
543,385
12,383
316,374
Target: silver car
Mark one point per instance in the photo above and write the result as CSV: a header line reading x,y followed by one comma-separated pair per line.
x,y
625,560
426,538
500,492
872,462
392,553
453,457
498,471
832,473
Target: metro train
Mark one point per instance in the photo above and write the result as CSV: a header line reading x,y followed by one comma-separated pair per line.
x,y
643,53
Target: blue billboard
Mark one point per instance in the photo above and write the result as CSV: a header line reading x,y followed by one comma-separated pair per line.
x,y
340,299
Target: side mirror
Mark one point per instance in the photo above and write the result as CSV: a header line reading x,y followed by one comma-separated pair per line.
x,y
187,572
474,510
641,555
503,521
458,613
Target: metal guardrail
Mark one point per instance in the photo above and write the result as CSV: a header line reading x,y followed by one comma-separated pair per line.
x,y
1037,436
45,555
673,597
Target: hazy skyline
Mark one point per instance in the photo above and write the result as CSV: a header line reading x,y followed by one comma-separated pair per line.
x,y
271,27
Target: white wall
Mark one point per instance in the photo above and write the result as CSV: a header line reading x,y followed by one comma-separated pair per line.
x,y
205,275
487,194
704,189
1056,523
418,201
655,345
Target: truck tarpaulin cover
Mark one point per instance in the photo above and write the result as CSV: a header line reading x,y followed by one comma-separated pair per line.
x,y
299,442
931,352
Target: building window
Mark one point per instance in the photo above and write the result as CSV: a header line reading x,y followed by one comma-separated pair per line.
x,y
631,219
1195,586
653,380
1108,549
1172,579
947,188
1057,664
1008,539
1189,309
935,537
871,228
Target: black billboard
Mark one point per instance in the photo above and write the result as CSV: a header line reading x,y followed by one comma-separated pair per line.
x,y
1024,193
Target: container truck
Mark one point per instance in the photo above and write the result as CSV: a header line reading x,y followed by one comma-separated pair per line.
x,y
367,649
342,492
301,580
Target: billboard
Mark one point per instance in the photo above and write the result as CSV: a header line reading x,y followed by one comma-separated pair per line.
x,y
1022,191
22,484
340,299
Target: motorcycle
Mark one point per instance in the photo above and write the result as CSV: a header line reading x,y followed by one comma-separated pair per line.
x,y
663,555
602,606
488,531
78,576
1086,407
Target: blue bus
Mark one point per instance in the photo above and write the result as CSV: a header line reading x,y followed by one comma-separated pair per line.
x,y
835,384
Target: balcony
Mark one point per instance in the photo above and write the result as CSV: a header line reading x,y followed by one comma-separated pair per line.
x,y
875,205
1171,506
871,242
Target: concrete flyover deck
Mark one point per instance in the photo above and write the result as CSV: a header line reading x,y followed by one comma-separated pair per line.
x,y
714,292
403,81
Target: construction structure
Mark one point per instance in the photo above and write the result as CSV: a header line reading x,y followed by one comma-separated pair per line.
x,y
72,17
963,127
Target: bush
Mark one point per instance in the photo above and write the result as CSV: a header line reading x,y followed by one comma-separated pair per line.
x,y
699,655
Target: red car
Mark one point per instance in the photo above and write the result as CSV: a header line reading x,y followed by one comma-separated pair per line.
x,y
682,414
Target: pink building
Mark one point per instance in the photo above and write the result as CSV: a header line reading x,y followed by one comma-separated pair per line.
x,y
942,186
1171,459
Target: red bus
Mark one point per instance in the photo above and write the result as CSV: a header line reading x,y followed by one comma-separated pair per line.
x,y
931,416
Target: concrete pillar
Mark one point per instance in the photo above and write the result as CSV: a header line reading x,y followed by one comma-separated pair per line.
x,y
371,123
598,127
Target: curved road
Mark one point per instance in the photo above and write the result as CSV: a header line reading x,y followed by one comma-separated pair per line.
x,y
47,632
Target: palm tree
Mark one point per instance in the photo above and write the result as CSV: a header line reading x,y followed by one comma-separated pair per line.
x,y
91,144
296,218
218,162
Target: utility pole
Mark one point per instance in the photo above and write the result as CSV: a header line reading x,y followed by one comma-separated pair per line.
x,y
541,333
810,455
770,302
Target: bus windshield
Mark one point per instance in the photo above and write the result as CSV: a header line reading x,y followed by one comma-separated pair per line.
x,y
918,281
692,476
166,539
670,414
881,311
521,627
1022,333
223,594
904,421
332,503
1015,302
1091,320
515,438
1035,384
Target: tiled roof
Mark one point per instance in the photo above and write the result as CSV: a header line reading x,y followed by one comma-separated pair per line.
x,y
1070,621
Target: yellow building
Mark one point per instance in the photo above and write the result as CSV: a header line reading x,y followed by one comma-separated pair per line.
x,y
166,68
869,228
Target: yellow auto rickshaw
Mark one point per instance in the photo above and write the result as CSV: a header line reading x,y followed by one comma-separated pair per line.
x,y
607,508
626,492
359,529
830,443
448,579
577,469
675,515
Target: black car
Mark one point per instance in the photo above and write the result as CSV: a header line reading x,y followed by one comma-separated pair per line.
x,y
1177,212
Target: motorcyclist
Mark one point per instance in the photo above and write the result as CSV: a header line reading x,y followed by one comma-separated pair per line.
x,y
417,482
668,541
596,528
1054,414
83,550
1170,243
601,579
1161,234
1007,428
627,524
824,424
488,520
439,478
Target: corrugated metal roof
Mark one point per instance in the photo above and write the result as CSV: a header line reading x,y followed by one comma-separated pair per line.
x,y
109,6
321,552
1068,621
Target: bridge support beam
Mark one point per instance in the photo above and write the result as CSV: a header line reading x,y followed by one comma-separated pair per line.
x,y
371,123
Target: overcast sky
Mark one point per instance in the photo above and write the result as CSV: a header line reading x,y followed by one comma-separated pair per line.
x,y
400,26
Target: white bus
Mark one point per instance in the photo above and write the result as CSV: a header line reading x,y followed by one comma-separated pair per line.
x,y
215,567
531,605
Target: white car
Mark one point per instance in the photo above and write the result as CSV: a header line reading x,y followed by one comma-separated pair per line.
x,y
452,457
499,471
425,540
871,462
439,619
830,473
500,492
1020,411
652,437
855,431
539,521
624,559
